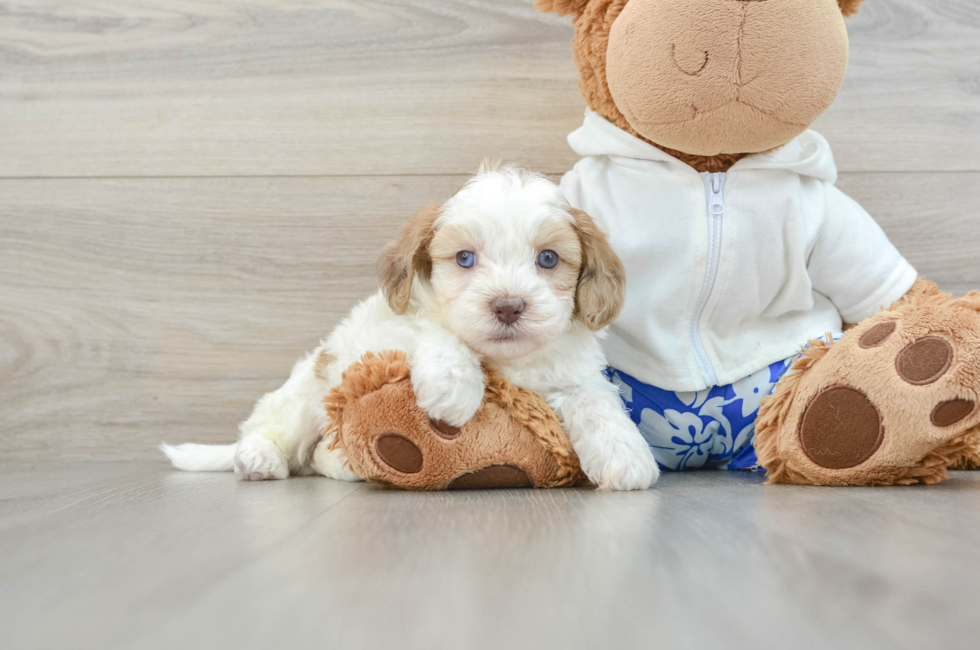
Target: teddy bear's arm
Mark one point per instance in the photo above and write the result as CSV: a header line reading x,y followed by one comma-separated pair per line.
x,y
852,262
922,292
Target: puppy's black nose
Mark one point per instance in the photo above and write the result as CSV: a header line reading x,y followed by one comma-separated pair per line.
x,y
507,310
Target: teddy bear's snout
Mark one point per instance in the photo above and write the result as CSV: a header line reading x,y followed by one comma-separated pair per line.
x,y
729,75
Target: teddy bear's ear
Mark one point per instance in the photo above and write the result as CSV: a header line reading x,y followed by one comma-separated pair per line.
x,y
566,7
847,7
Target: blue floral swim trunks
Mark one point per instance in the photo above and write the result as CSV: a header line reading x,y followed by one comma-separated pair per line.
x,y
710,428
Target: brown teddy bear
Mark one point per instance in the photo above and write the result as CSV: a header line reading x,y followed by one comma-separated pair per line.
x,y
698,164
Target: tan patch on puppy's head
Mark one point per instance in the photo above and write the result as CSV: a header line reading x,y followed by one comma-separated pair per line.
x,y
562,238
448,241
602,278
408,256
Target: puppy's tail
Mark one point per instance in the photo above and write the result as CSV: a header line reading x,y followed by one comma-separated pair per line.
x,y
201,458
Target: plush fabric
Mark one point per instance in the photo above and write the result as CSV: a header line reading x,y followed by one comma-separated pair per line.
x,y
888,377
784,234
678,89
514,440
706,81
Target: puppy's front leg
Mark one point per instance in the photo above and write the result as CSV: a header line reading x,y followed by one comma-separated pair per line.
x,y
611,450
447,378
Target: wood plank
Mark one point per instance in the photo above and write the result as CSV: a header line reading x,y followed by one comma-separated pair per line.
x,y
135,555
911,98
130,87
195,88
930,218
139,310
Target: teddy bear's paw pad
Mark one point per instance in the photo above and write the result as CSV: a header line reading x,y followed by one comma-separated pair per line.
x,y
948,413
444,430
840,428
399,453
493,477
924,361
877,335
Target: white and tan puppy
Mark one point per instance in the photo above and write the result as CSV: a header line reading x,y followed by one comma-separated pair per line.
x,y
504,273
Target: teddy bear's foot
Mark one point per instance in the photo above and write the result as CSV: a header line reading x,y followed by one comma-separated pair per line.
x,y
514,440
895,401
967,457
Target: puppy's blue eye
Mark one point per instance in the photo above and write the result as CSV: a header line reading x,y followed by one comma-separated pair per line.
x,y
548,259
466,259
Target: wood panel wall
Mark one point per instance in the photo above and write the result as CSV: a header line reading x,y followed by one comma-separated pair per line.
x,y
192,193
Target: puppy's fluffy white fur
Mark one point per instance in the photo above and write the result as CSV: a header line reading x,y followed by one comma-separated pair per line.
x,y
444,316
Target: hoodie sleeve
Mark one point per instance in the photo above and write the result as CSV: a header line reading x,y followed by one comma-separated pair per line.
x,y
853,263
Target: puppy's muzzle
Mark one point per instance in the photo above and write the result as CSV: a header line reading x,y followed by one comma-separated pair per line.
x,y
507,310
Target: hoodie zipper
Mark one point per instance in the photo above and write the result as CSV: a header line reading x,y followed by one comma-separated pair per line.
x,y
714,188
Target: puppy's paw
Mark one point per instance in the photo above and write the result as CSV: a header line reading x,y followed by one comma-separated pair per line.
x,y
258,459
446,393
623,467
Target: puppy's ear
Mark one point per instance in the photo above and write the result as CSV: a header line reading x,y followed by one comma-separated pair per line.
x,y
408,256
602,278
849,7
564,7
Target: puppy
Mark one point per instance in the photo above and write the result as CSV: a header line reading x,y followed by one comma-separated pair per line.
x,y
504,273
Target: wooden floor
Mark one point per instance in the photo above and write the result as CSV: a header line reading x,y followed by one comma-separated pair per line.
x,y
133,555
192,193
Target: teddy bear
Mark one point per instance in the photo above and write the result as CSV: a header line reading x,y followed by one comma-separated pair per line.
x,y
768,323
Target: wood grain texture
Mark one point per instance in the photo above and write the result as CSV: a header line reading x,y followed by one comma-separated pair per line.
x,y
288,87
911,98
135,555
139,310
930,218
283,87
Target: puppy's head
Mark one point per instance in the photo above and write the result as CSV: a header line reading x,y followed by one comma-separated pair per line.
x,y
506,263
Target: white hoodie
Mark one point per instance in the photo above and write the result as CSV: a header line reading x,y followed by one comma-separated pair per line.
x,y
727,273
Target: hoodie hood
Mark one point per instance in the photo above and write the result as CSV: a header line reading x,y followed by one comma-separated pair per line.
x,y
808,154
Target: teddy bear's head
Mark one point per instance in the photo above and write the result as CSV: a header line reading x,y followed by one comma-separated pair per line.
x,y
710,80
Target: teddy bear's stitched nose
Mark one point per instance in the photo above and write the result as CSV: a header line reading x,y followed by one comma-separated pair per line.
x,y
507,310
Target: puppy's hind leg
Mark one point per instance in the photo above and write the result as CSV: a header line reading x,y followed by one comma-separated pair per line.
x,y
258,458
278,437
268,437
258,455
